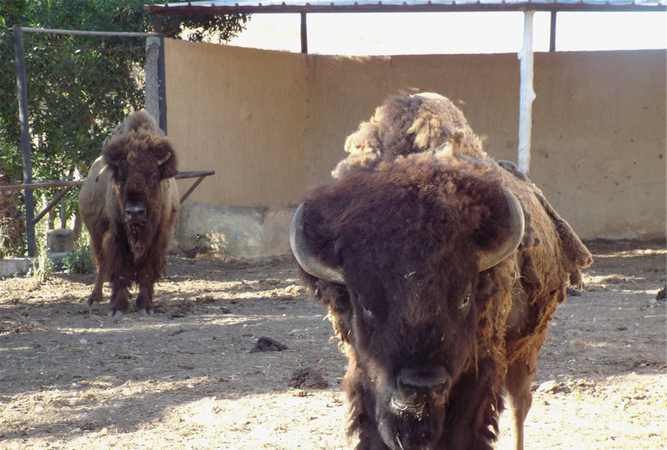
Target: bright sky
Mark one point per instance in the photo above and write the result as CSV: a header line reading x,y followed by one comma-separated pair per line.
x,y
427,33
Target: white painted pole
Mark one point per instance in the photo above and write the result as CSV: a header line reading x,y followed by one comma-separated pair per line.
x,y
527,94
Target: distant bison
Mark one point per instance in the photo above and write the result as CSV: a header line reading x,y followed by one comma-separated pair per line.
x,y
441,270
129,203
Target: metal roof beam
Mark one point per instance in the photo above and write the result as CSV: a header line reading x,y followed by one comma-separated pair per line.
x,y
213,9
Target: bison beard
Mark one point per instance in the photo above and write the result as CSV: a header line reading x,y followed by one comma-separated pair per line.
x,y
411,429
129,203
441,270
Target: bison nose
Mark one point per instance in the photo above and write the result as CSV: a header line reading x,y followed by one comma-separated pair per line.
x,y
135,211
417,386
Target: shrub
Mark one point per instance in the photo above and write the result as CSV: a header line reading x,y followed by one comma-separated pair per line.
x,y
42,268
78,260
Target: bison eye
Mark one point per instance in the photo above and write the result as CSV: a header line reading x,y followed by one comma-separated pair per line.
x,y
465,301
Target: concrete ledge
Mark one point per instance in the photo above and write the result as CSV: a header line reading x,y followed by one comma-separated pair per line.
x,y
14,266
236,232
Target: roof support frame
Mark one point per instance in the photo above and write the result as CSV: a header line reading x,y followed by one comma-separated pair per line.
x,y
552,32
230,7
527,93
304,33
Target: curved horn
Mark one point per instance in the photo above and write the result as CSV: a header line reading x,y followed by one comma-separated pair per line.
x,y
307,261
164,160
516,224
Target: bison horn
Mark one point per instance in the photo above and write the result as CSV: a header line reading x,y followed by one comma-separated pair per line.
x,y
307,261
516,224
316,268
164,159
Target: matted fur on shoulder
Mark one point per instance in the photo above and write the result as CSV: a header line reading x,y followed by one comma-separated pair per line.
x,y
407,124
139,121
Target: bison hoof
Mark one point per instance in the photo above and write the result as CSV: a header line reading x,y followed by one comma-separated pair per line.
x,y
94,298
115,314
145,313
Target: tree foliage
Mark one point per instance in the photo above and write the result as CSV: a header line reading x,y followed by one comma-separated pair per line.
x,y
79,87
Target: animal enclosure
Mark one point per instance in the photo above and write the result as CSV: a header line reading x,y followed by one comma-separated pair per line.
x,y
185,378
598,150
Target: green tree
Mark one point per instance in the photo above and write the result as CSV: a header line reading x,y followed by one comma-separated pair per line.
x,y
80,87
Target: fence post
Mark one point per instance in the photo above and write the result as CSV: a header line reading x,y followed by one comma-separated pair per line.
x,y
22,82
152,77
163,87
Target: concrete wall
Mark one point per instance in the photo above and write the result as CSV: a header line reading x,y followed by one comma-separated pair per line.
x,y
240,112
272,124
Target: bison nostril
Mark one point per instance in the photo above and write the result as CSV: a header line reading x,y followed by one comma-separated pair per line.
x,y
408,392
135,211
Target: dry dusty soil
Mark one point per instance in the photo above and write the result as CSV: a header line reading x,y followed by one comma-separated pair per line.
x,y
186,378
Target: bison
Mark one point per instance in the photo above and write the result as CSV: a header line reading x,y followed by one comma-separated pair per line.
x,y
441,270
129,203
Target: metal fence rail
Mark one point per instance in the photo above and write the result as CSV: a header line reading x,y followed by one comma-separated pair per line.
x,y
33,109
68,185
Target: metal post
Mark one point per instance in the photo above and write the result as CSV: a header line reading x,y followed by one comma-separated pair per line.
x,y
152,85
63,219
163,86
527,94
22,82
304,34
552,34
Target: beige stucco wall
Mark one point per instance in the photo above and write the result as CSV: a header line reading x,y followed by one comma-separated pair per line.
x,y
272,124
599,140
240,112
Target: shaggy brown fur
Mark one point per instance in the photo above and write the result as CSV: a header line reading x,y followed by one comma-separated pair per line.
x,y
407,124
407,233
129,203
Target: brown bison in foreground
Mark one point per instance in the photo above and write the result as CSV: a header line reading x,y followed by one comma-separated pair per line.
x,y
441,270
129,203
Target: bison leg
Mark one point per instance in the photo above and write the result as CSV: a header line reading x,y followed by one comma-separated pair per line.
x,y
119,295
96,295
518,380
145,298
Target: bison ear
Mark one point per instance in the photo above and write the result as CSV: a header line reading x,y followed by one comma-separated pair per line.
x,y
114,153
166,156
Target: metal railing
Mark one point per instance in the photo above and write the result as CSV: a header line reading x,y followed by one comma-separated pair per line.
x,y
68,185
155,103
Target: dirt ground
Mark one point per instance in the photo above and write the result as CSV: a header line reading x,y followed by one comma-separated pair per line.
x,y
186,378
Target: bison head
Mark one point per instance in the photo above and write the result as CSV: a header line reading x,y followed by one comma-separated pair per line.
x,y
139,160
400,255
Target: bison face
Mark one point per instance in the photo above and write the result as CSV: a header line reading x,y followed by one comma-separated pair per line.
x,y
409,326
397,257
411,336
139,162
